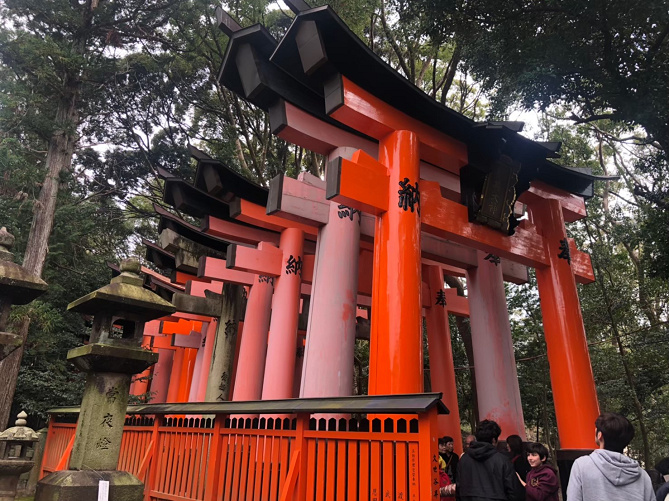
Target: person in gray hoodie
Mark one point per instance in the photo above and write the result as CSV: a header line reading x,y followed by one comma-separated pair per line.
x,y
607,474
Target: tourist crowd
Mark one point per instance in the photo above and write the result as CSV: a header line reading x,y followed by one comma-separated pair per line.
x,y
513,470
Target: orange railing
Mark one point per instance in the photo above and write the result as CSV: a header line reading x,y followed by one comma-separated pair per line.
x,y
389,454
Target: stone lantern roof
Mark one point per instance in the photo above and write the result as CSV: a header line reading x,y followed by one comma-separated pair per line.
x,y
16,282
20,432
124,297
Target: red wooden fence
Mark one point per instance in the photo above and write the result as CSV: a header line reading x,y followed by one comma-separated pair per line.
x,y
381,457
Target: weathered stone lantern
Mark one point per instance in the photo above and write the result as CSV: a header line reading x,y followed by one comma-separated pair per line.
x,y
114,354
19,448
17,286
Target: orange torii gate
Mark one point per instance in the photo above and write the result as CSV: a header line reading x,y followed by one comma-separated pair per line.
x,y
323,62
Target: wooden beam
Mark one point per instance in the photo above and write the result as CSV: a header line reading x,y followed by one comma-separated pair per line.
x,y
215,269
449,220
361,183
263,261
229,230
357,108
573,206
250,213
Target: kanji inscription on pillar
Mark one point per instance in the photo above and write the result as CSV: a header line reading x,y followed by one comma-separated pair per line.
x,y
493,259
441,298
265,279
112,394
409,196
107,420
294,266
564,250
344,211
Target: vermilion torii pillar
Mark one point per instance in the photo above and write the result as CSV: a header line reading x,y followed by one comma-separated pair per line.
x,y
389,189
253,345
574,393
442,369
330,340
285,266
496,378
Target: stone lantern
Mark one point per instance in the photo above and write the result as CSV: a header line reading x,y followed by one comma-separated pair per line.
x,y
19,447
113,355
17,286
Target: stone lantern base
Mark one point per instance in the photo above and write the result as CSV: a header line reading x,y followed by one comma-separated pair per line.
x,y
74,485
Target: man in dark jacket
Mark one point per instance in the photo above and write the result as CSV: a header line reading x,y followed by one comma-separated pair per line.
x,y
483,473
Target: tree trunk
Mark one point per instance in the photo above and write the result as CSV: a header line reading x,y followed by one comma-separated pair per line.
x,y
58,159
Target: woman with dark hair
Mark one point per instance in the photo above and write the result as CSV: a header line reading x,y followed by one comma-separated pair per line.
x,y
516,449
541,482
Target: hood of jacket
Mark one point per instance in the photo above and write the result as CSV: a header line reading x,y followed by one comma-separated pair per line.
x,y
480,451
615,467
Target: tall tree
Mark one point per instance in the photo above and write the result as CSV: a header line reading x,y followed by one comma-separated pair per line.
x,y
605,59
62,53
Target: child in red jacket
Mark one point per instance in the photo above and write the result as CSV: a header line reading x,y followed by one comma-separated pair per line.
x,y
541,483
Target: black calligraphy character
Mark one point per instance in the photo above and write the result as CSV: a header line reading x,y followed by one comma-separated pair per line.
x,y
400,496
493,259
441,298
230,328
112,394
564,250
349,212
107,420
103,443
409,195
434,459
294,266
265,279
387,495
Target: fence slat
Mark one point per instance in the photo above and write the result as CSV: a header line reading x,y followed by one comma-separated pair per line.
x,y
341,468
401,471
375,471
331,468
311,469
388,464
352,475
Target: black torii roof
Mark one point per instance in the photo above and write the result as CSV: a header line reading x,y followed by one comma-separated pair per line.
x,y
190,200
158,256
319,48
187,230
222,182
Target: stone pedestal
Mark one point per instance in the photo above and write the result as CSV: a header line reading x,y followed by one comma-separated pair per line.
x,y
72,485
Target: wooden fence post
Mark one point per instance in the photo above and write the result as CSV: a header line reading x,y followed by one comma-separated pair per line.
x,y
213,465
149,460
428,461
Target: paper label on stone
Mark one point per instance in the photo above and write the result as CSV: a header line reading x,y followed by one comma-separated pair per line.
x,y
103,490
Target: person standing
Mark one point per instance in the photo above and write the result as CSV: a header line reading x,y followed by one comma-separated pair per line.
x,y
468,441
483,472
450,458
516,449
607,473
542,482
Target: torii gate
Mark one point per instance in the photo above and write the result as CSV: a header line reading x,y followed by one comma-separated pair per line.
x,y
325,57
323,135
